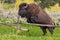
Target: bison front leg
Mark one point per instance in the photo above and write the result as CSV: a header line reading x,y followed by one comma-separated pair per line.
x,y
51,30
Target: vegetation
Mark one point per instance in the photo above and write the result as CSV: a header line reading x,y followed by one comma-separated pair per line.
x,y
7,1
7,6
47,3
35,33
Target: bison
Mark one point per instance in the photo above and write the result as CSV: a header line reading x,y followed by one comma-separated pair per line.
x,y
35,14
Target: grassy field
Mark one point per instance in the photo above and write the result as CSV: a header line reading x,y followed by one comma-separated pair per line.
x,y
35,33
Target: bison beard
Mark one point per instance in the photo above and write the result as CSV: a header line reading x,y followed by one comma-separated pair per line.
x,y
35,14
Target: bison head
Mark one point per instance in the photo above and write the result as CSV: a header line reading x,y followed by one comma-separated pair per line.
x,y
23,9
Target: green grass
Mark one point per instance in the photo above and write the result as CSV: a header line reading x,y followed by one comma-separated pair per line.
x,y
7,6
35,33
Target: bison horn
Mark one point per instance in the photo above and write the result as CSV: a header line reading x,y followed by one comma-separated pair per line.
x,y
26,6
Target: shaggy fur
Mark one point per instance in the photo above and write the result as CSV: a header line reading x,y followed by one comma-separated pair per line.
x,y
35,14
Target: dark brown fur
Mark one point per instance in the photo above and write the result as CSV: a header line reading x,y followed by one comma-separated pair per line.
x,y
35,14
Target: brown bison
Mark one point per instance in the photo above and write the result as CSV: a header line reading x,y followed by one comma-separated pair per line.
x,y
35,14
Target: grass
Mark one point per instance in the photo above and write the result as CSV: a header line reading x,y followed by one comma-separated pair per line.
x,y
7,6
35,33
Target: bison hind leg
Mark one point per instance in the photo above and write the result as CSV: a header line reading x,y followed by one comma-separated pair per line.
x,y
51,30
44,30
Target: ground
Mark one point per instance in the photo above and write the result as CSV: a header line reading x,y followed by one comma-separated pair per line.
x,y
35,33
